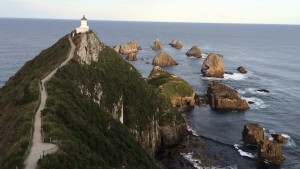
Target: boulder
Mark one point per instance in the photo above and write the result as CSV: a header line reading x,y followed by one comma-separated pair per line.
x,y
176,44
130,50
223,97
156,45
253,134
213,66
194,51
177,90
242,70
163,59
270,152
117,48
279,138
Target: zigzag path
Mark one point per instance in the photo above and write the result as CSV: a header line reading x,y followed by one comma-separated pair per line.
x,y
38,146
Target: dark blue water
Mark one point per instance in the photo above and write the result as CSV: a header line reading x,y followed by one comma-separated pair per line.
x,y
269,52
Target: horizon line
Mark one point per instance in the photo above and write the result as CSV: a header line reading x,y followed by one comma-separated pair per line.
x,y
242,23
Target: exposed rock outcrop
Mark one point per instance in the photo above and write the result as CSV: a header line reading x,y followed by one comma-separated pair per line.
x,y
117,48
88,47
156,45
179,92
279,138
242,70
163,59
176,44
268,151
253,134
194,51
213,66
130,50
223,97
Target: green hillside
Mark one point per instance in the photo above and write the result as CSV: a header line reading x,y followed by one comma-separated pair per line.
x,y
90,134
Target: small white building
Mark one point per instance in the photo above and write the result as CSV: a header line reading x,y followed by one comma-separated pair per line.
x,y
83,26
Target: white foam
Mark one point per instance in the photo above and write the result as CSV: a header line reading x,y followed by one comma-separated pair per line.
x,y
290,142
204,55
235,76
243,153
251,91
189,156
258,103
197,163
192,130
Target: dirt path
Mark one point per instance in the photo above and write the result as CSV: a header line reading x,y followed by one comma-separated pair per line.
x,y
38,146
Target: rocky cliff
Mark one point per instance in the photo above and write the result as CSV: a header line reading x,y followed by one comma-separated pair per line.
x,y
99,108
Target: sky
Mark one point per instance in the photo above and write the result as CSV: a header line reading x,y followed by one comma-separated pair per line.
x,y
203,11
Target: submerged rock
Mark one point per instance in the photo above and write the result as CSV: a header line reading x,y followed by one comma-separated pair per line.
x,y
194,51
156,45
163,59
176,44
241,69
213,66
263,90
178,91
223,97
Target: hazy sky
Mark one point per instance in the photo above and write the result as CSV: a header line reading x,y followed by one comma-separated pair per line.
x,y
216,11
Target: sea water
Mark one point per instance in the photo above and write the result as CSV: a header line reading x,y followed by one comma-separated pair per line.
x,y
270,53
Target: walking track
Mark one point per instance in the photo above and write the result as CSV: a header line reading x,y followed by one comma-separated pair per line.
x,y
38,146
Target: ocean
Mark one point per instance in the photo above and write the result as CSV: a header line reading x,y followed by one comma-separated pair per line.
x,y
270,53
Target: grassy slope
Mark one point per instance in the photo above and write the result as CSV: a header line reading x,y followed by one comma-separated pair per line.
x,y
18,101
169,85
91,138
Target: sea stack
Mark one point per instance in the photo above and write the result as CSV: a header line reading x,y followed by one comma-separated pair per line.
x,y
156,45
163,59
195,52
213,66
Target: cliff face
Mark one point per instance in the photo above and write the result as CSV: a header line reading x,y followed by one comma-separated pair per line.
x,y
99,107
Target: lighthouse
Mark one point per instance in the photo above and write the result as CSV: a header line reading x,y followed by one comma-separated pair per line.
x,y
83,26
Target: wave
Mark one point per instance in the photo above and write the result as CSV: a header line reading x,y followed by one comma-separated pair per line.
x,y
197,163
289,143
234,76
257,103
244,153
192,130
252,91
204,55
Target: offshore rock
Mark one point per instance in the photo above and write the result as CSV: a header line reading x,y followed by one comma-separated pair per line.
x,y
279,138
223,97
130,50
253,134
270,152
176,44
178,91
156,45
213,66
242,70
194,51
163,59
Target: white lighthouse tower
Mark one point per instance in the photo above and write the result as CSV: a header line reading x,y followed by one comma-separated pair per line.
x,y
83,26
